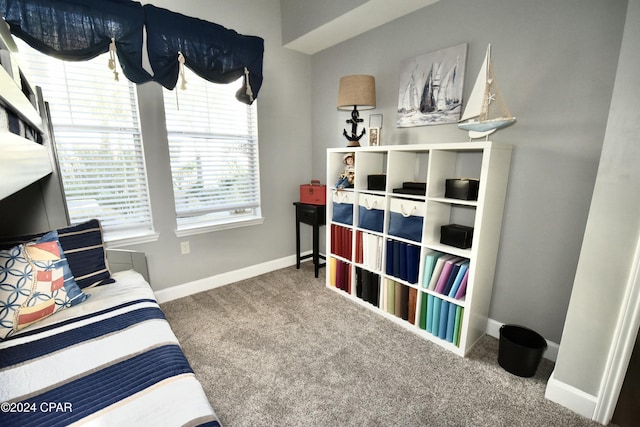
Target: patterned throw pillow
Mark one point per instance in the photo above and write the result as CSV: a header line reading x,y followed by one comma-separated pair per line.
x,y
35,282
83,245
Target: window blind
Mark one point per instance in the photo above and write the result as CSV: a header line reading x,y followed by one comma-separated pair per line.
x,y
213,145
98,142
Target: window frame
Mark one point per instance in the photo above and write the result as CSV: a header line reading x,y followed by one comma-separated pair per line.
x,y
138,232
223,219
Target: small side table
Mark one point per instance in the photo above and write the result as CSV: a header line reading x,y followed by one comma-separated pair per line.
x,y
315,216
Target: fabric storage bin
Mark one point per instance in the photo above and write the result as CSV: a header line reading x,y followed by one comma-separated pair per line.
x,y
343,207
371,212
406,218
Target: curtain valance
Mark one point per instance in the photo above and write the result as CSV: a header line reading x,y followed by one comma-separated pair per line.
x,y
77,30
213,52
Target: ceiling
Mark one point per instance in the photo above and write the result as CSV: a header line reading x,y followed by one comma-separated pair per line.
x,y
363,18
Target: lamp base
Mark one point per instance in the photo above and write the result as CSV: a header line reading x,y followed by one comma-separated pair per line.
x,y
354,138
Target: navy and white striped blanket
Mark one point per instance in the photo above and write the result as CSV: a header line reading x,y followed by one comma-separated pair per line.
x,y
112,360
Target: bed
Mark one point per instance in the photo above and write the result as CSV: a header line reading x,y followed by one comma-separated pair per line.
x,y
110,359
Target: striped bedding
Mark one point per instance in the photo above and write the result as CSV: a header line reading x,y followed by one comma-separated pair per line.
x,y
110,361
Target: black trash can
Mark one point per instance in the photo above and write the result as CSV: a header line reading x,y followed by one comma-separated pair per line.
x,y
520,350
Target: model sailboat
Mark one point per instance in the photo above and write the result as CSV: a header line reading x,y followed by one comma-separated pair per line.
x,y
486,111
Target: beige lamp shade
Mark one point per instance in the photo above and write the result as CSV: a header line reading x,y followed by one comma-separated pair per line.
x,y
357,90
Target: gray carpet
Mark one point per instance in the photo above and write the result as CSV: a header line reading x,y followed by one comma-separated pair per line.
x,y
281,349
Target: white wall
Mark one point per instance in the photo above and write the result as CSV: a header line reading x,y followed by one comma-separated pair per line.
x,y
555,64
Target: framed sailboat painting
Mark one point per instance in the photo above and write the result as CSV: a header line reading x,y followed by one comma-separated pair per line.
x,y
430,90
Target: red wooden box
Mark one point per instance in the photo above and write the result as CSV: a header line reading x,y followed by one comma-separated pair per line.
x,y
314,193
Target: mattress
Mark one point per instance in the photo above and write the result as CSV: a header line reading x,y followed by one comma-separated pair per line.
x,y
111,360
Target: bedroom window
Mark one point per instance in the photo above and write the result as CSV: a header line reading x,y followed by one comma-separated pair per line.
x,y
98,143
213,146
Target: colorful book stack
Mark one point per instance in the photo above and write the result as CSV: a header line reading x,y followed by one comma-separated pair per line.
x,y
341,241
446,274
399,300
368,286
340,274
403,260
441,318
369,250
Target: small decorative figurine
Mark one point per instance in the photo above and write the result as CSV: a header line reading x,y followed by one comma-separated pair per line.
x,y
347,177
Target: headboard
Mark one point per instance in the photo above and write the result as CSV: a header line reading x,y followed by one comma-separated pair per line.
x,y
24,159
122,259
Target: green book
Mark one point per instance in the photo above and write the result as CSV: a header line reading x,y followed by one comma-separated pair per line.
x,y
423,310
458,325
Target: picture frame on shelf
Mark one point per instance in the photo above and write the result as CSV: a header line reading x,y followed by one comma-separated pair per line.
x,y
374,137
375,128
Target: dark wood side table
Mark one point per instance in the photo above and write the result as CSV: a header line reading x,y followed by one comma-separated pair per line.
x,y
315,216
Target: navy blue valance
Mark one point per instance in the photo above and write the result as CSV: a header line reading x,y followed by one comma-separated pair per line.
x,y
77,30
213,52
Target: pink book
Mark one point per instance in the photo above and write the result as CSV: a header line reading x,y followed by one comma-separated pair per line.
x,y
462,290
444,275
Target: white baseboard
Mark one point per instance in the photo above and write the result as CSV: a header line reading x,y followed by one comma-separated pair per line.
x,y
190,288
570,397
493,329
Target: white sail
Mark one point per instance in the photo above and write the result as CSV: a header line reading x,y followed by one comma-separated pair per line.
x,y
448,93
410,99
474,104
485,111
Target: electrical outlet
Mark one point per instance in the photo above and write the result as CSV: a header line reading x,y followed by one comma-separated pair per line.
x,y
184,247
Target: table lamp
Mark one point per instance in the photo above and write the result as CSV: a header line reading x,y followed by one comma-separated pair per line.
x,y
356,91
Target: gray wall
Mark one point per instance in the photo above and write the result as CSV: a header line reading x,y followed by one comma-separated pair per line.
x,y
284,119
612,231
555,63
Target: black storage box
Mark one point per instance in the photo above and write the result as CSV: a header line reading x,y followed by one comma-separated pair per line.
x,y
415,188
456,235
464,189
377,182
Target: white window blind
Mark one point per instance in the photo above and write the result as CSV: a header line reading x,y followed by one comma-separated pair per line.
x,y
98,142
213,144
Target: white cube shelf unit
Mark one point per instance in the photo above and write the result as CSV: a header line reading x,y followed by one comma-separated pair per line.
x,y
392,273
